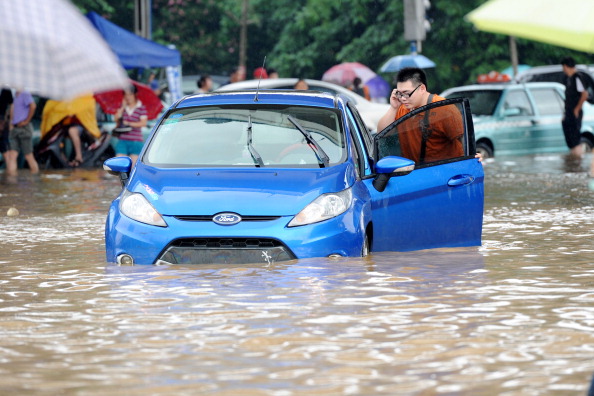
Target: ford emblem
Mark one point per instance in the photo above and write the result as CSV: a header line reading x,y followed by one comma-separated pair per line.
x,y
226,218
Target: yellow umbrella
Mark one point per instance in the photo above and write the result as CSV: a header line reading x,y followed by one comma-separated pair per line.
x,y
566,23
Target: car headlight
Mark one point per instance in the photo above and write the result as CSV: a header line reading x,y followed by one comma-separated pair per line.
x,y
324,207
136,207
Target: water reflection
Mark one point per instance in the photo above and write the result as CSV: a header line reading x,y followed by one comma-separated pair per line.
x,y
513,317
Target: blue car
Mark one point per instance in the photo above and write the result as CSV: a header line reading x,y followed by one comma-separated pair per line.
x,y
268,176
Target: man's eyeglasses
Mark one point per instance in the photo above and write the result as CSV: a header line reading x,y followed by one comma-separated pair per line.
x,y
406,95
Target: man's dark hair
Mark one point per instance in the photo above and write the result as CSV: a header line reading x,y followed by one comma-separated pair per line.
x,y
202,80
413,74
568,61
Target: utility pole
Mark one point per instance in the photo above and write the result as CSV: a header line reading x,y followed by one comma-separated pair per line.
x,y
415,22
142,18
243,21
243,34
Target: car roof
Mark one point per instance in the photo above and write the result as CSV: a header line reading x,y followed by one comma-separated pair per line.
x,y
263,96
272,83
502,86
546,69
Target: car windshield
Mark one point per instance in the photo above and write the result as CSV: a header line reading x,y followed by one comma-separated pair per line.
x,y
482,101
248,136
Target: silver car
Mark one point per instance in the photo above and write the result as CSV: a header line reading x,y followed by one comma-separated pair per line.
x,y
370,112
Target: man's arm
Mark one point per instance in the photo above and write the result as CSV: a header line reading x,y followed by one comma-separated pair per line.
x,y
386,119
578,107
583,95
390,115
10,116
32,107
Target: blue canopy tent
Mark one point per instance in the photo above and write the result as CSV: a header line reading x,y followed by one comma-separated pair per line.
x,y
134,51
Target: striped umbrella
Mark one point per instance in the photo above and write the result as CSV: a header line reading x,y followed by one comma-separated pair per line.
x,y
49,48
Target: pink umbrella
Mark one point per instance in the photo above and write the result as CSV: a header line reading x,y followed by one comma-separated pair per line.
x,y
344,73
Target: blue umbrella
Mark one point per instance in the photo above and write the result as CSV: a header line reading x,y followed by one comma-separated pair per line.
x,y
398,62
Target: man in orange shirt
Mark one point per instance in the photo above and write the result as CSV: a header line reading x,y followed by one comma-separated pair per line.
x,y
426,137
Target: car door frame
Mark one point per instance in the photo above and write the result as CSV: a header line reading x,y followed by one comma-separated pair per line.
x,y
439,204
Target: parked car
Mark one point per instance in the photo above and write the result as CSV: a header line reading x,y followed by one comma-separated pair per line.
x,y
520,119
548,73
231,177
370,111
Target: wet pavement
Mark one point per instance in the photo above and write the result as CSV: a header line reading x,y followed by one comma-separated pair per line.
x,y
513,317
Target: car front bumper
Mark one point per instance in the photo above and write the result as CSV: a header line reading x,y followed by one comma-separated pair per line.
x,y
196,242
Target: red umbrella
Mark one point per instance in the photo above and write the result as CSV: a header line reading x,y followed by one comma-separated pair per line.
x,y
344,73
111,101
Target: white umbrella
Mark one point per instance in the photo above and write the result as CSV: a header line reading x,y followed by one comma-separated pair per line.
x,y
49,48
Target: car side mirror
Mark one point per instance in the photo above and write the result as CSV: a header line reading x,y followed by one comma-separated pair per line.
x,y
391,166
119,166
512,112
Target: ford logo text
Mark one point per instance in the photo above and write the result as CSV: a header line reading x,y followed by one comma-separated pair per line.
x,y
226,218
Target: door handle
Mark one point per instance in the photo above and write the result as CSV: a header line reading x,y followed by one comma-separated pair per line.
x,y
460,180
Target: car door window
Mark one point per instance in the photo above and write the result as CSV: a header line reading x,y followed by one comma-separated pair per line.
x,y
358,151
548,101
430,135
518,100
362,137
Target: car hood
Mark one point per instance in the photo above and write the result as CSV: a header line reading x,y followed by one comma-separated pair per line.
x,y
249,192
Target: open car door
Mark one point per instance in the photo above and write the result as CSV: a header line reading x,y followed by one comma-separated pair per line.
x,y
439,203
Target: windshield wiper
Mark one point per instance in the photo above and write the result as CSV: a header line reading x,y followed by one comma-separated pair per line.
x,y
323,158
255,155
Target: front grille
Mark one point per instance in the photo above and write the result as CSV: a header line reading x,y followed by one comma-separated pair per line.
x,y
209,218
225,251
241,243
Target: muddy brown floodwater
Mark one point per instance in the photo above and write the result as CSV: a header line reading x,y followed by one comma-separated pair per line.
x,y
513,317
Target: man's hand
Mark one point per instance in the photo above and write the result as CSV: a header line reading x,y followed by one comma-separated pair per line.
x,y
394,101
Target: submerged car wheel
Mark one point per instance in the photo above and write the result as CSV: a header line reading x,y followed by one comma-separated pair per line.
x,y
365,247
484,149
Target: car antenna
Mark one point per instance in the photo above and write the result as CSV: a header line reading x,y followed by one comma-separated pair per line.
x,y
260,79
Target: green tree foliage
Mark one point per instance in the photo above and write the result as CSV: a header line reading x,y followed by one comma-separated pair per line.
x,y
197,29
306,37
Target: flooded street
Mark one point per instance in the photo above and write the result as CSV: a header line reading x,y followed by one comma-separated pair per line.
x,y
513,317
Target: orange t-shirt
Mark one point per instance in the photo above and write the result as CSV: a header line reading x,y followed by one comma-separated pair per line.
x,y
445,130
